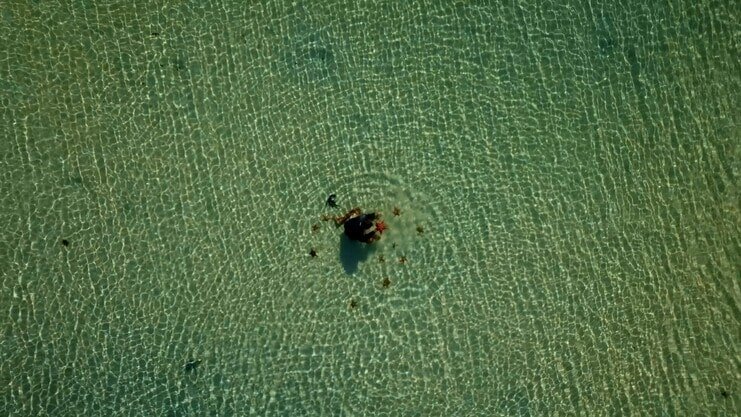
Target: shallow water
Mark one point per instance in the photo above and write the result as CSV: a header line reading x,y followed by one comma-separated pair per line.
x,y
566,177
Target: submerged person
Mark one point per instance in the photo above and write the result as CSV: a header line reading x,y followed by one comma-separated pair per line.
x,y
360,226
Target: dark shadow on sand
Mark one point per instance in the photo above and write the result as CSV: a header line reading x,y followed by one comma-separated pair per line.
x,y
352,253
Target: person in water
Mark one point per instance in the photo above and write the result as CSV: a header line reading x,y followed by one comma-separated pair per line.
x,y
360,226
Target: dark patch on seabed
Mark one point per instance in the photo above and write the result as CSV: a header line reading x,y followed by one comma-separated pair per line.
x,y
310,58
631,55
605,43
515,403
605,34
635,69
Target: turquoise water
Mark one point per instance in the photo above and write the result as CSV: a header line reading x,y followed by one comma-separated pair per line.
x,y
566,176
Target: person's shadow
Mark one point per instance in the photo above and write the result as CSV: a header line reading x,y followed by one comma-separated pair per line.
x,y
352,253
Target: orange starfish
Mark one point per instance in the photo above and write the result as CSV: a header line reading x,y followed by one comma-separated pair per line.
x,y
381,226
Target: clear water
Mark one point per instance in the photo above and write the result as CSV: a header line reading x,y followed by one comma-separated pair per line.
x,y
572,168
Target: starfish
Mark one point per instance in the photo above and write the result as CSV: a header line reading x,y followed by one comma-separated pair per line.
x,y
381,226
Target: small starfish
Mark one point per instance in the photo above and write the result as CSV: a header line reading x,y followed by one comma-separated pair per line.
x,y
386,282
402,259
315,227
396,211
312,253
381,226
